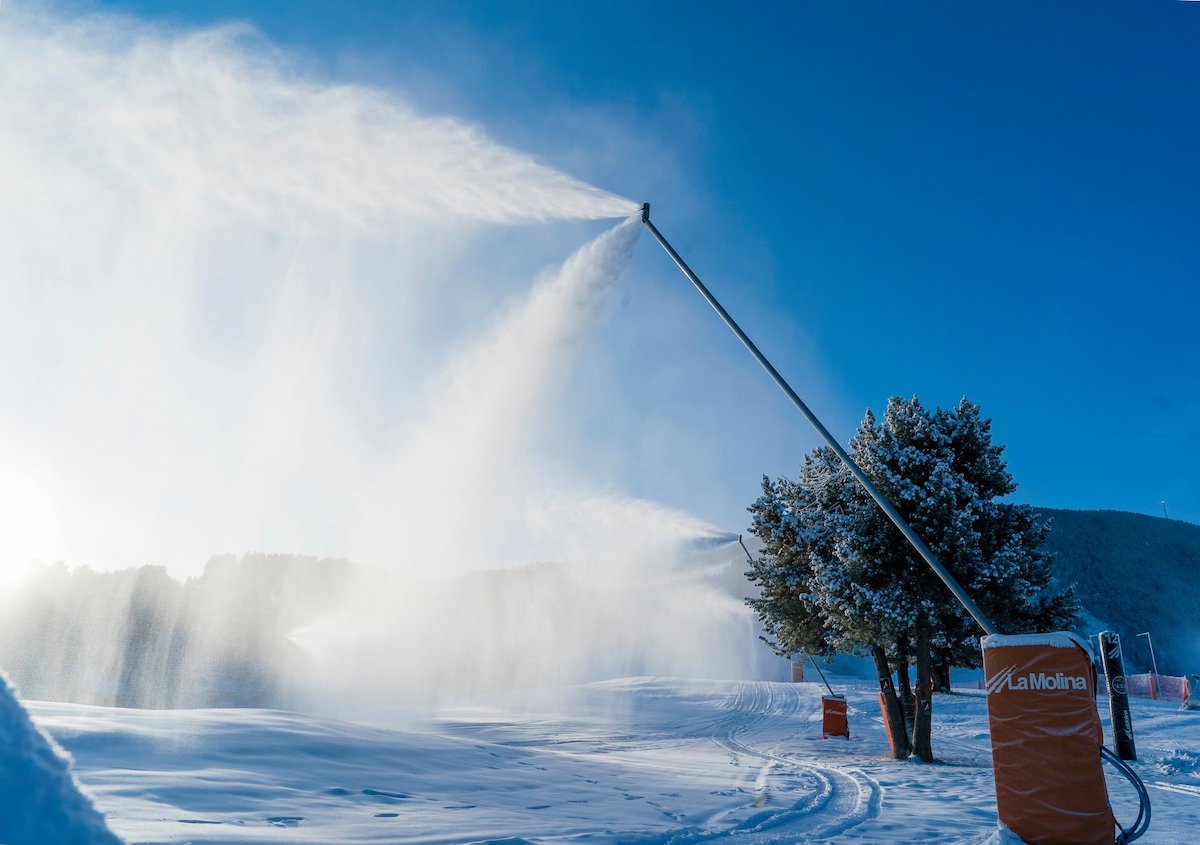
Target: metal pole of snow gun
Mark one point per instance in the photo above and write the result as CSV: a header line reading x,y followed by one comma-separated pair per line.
x,y
749,557
881,500
750,560
822,674
1139,827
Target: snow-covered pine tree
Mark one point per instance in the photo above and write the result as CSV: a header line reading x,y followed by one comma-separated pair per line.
x,y
836,574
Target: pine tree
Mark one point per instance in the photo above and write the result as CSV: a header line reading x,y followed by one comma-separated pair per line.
x,y
835,574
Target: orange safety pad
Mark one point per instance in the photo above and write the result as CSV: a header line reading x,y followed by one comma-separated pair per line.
x,y
1046,738
833,717
891,730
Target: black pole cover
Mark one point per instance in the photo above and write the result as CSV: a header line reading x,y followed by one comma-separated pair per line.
x,y
1118,695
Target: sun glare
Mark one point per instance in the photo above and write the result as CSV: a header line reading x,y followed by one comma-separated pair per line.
x,y
28,528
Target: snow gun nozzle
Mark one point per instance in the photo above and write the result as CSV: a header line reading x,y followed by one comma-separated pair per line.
x,y
645,212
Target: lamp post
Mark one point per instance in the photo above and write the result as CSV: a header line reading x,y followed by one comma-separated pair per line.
x,y
1153,662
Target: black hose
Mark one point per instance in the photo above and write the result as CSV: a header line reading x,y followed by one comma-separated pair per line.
x,y
1142,823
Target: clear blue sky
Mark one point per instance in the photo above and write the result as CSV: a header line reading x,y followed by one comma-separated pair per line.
x,y
990,199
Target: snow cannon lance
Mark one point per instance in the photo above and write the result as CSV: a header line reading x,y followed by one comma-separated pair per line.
x,y
834,719
1047,743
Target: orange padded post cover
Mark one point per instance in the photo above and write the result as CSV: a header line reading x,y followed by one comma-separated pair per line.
x,y
833,717
892,729
1046,738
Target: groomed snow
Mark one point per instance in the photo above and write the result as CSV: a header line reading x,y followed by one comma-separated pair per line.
x,y
634,760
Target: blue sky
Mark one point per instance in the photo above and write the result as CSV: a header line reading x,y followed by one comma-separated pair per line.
x,y
996,200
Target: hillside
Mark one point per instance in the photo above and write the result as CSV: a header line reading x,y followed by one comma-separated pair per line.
x,y
1134,573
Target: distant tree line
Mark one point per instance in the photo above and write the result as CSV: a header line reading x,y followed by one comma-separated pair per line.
x,y
140,638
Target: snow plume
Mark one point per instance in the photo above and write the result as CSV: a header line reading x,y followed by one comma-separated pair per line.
x,y
223,116
243,309
40,800
631,595
629,591
463,468
224,282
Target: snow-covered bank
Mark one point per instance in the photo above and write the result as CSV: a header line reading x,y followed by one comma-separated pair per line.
x,y
634,760
39,800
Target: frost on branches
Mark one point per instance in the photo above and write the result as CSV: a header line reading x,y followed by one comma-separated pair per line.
x,y
835,574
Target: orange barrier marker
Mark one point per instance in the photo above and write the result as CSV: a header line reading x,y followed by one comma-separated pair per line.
x,y
833,717
1046,738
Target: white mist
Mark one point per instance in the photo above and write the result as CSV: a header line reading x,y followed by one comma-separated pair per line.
x,y
244,309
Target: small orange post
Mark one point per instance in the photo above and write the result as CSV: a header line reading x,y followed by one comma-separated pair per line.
x,y
833,716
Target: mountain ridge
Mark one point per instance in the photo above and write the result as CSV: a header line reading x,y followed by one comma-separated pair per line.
x,y
1133,573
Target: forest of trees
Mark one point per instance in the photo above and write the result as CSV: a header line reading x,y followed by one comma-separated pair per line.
x,y
140,638
1135,573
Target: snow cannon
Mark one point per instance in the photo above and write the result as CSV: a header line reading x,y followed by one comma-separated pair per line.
x,y
1046,739
833,716
834,719
1047,743
861,477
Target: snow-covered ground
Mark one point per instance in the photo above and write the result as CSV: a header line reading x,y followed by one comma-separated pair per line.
x,y
632,760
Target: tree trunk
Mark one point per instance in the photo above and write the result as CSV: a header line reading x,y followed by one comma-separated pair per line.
x,y
903,686
941,673
893,716
922,729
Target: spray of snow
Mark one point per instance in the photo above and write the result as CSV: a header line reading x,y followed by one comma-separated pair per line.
x,y
40,800
241,308
630,595
631,598
462,469
222,282
220,115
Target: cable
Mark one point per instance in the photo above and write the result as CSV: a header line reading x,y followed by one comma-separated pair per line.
x,y
1142,822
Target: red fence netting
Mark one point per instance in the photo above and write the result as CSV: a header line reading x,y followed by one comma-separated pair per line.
x,y
1167,687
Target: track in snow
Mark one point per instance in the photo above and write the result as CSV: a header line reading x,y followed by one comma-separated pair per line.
x,y
651,760
793,797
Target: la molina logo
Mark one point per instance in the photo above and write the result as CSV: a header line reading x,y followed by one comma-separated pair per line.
x,y
1008,679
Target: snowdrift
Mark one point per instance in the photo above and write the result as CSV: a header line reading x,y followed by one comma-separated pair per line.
x,y
40,801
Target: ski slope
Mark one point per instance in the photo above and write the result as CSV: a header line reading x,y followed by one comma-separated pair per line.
x,y
649,760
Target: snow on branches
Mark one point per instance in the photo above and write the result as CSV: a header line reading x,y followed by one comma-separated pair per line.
x,y
835,574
